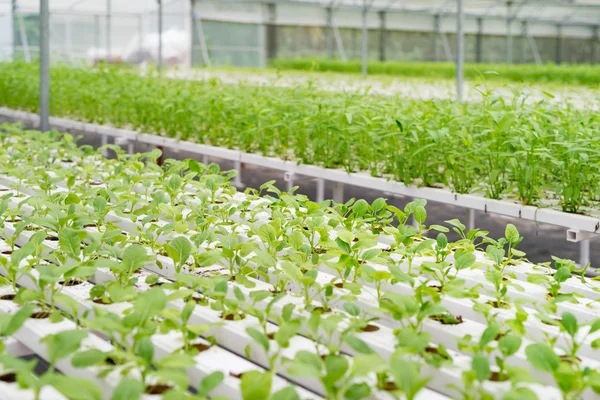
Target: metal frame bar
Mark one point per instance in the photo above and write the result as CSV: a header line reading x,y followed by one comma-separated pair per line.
x,y
44,66
108,32
197,21
460,49
160,34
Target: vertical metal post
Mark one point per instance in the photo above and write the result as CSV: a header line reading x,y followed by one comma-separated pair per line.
x,y
200,33
320,190
436,35
23,35
558,44
44,66
479,41
594,43
524,29
108,32
460,49
13,15
584,253
338,192
509,38
237,180
160,34
470,219
329,32
271,31
365,40
382,35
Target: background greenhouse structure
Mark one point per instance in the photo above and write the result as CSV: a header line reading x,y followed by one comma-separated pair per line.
x,y
249,32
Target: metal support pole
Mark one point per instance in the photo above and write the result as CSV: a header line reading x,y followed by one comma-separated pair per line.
x,y
338,192
237,181
594,43
44,66
584,253
460,49
289,178
534,49
382,35
320,190
160,32
558,44
108,29
104,142
470,219
13,15
509,38
524,29
329,32
200,34
479,41
365,40
436,34
23,35
271,31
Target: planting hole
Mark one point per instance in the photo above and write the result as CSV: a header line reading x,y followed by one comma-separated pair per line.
x,y
40,315
157,389
497,377
370,328
238,376
71,282
11,377
390,386
447,319
323,310
232,317
102,301
435,350
7,252
499,304
200,347
8,297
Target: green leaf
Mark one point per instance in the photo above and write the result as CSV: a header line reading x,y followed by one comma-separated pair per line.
x,y
352,309
134,257
465,260
74,388
287,393
63,344
128,389
16,321
87,358
69,242
146,350
210,383
481,366
420,214
520,393
511,233
488,335
335,367
509,344
562,274
569,323
179,249
358,345
259,337
541,356
256,385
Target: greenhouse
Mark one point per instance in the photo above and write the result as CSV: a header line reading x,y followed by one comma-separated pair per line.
x,y
299,199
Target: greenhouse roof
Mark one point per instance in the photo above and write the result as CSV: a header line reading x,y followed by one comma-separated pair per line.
x,y
572,12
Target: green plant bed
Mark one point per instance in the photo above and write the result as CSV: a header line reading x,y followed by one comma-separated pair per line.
x,y
533,153
564,73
